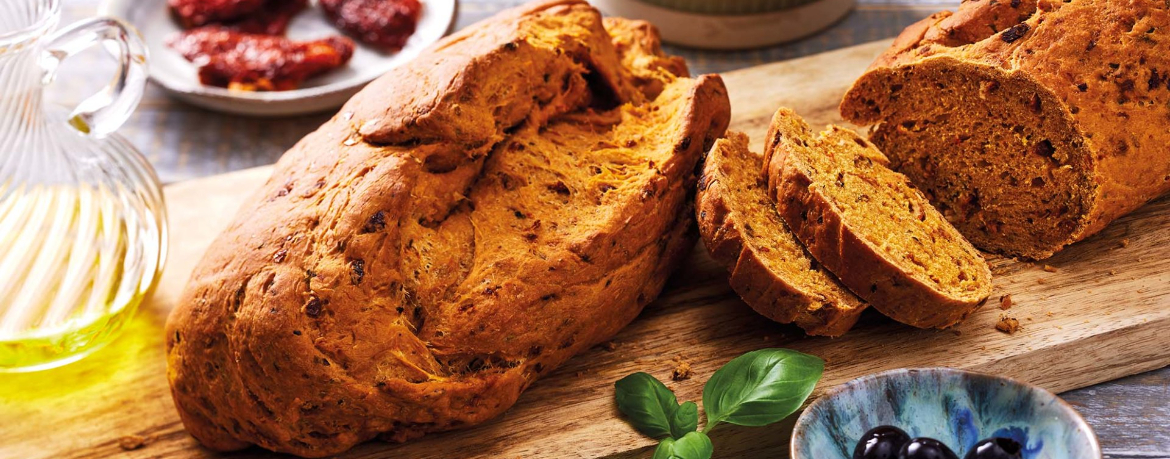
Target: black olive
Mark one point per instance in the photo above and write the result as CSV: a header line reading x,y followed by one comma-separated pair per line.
x,y
926,448
996,448
882,442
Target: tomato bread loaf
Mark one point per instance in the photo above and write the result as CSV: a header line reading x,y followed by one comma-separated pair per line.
x,y
769,268
870,227
1030,125
464,225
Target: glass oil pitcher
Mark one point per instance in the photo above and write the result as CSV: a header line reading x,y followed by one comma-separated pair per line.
x,y
82,221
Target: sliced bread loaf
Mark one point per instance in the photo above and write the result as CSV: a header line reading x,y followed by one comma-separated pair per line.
x,y
1031,125
869,226
770,270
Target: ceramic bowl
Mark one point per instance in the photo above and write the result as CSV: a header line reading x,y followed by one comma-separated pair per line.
x,y
732,31
956,407
728,6
171,71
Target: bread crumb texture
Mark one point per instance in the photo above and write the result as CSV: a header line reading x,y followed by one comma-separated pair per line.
x,y
869,226
1007,324
464,225
682,369
133,442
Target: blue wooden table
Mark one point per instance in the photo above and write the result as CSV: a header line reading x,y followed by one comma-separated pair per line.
x,y
1131,415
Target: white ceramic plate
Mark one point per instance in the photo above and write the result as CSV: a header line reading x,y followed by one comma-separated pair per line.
x,y
171,71
711,31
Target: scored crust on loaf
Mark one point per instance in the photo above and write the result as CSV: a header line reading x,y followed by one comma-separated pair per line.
x,y
464,225
1033,133
870,227
769,269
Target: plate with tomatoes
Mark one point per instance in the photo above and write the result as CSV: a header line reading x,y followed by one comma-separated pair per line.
x,y
279,57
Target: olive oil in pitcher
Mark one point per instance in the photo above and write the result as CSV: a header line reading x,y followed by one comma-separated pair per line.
x,y
82,221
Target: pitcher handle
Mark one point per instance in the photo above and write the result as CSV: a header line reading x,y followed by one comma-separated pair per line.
x,y
104,112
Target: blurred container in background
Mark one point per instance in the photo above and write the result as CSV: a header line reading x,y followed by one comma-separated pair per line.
x,y
731,24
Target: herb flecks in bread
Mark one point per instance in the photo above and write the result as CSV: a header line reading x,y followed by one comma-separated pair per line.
x,y
1033,135
869,226
769,268
466,224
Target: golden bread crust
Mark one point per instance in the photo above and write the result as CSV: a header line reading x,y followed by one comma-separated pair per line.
x,y
450,236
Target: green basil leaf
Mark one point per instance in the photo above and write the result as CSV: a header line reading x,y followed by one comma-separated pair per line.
x,y
760,387
647,403
694,445
685,420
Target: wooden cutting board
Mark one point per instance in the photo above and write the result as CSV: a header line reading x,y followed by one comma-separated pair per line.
x,y
1100,311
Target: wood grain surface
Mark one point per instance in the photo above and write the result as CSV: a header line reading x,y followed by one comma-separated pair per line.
x,y
1100,311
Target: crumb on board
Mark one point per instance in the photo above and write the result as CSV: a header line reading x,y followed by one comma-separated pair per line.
x,y
1124,243
1049,313
132,442
608,346
1007,324
1005,302
1041,281
682,369
1112,272
1050,268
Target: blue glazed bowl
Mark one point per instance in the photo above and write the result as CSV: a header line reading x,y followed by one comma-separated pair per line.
x,y
956,407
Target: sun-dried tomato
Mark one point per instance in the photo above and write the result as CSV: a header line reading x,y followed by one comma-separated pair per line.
x,y
385,24
196,13
254,62
269,17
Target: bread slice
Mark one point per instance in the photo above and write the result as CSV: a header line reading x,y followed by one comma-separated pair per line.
x,y
769,268
869,226
1029,126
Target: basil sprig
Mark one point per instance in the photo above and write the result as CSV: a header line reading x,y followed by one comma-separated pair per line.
x,y
685,420
754,389
691,445
760,387
651,406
